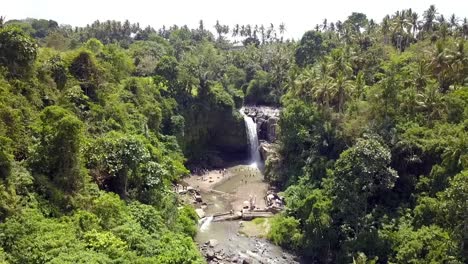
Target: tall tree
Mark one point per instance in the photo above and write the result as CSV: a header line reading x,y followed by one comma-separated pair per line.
x,y
429,18
361,172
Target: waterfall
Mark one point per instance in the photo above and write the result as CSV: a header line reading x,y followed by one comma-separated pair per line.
x,y
205,223
251,127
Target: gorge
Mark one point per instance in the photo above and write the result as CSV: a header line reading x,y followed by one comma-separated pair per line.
x,y
222,236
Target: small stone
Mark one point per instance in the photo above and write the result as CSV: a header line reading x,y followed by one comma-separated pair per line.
x,y
213,243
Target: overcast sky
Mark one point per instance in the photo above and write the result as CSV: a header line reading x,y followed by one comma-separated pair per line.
x,y
298,16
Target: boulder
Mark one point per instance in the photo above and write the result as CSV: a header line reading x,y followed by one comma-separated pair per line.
x,y
271,128
200,212
246,261
266,149
210,254
212,243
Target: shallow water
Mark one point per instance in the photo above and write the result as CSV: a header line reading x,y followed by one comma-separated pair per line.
x,y
243,175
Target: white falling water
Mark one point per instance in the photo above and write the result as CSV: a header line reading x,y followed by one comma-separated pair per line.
x,y
254,154
205,223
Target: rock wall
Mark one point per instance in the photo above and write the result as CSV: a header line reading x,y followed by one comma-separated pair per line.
x,y
267,121
214,137
267,124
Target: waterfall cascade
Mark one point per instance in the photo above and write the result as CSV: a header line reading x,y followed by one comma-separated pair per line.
x,y
251,126
205,223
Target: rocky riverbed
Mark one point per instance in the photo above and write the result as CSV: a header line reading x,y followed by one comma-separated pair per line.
x,y
259,251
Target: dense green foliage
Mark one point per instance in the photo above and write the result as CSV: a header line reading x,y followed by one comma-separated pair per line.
x,y
76,121
373,142
97,123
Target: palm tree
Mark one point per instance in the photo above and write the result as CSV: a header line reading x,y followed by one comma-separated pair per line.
x,y
453,23
465,28
242,31
219,29
444,30
235,30
339,63
341,89
313,84
304,83
248,31
339,28
414,22
421,75
371,26
430,102
360,85
322,91
429,17
399,25
459,63
269,32
441,19
262,33
282,29
325,25
386,28
439,65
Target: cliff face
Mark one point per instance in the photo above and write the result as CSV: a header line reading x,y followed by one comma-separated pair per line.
x,y
266,119
213,137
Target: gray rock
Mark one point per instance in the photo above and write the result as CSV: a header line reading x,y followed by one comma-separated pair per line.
x,y
271,128
267,149
200,212
210,254
212,243
266,119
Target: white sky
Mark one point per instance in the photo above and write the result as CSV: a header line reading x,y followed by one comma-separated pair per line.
x,y
298,16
